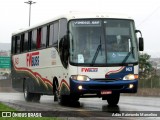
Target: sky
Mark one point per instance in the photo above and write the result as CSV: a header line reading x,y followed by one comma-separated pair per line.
x,y
146,13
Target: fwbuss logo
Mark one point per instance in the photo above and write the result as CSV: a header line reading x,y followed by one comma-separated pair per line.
x,y
89,69
32,59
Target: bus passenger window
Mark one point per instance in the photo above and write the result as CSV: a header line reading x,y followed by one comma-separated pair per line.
x,y
38,38
25,45
53,38
43,37
29,40
63,28
34,39
17,44
22,42
48,32
55,32
13,45
51,35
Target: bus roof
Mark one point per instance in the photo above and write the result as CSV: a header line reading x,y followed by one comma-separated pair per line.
x,y
76,15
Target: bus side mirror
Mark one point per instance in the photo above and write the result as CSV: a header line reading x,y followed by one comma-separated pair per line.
x,y
66,42
141,44
64,50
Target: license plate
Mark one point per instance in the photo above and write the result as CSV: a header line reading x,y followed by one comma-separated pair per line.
x,y
106,92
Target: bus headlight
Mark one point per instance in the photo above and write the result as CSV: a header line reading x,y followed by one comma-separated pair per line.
x,y
80,77
130,77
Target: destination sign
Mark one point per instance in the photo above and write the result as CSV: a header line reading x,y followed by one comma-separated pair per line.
x,y
87,23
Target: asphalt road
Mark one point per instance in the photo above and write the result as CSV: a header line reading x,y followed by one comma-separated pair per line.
x,y
87,107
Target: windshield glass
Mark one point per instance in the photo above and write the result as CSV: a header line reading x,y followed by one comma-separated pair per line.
x,y
105,41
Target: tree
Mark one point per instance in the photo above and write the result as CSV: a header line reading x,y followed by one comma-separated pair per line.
x,y
146,70
144,64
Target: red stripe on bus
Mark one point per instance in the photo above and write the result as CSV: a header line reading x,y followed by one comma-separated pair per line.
x,y
35,53
64,82
115,71
33,73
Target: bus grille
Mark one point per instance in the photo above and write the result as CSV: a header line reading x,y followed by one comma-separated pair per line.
x,y
105,80
117,87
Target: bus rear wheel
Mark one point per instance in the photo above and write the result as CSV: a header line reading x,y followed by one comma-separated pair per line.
x,y
35,97
113,99
27,95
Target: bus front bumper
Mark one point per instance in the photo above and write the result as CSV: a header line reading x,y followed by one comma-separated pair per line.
x,y
98,86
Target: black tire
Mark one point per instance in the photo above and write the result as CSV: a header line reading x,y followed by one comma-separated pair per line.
x,y
64,99
55,96
55,90
36,97
68,99
27,95
113,99
74,98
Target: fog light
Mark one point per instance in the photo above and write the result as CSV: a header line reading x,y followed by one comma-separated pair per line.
x,y
80,87
131,86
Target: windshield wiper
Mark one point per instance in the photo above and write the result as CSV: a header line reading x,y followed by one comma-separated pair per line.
x,y
96,53
126,58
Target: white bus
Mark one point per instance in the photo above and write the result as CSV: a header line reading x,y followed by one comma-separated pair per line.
x,y
77,55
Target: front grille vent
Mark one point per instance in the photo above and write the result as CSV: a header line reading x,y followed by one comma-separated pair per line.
x,y
117,87
105,80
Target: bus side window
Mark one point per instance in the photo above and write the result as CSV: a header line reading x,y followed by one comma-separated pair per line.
x,y
38,38
51,34
48,33
25,45
63,28
53,38
44,37
34,39
22,42
55,31
18,44
29,40
13,45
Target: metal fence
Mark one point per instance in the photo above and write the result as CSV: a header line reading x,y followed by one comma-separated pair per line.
x,y
150,82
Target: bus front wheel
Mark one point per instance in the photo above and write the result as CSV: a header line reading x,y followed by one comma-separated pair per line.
x,y
64,99
113,99
68,99
55,89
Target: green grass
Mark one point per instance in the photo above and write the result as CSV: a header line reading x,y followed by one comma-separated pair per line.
x,y
6,108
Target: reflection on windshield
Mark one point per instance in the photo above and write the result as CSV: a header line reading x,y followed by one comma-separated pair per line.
x,y
115,37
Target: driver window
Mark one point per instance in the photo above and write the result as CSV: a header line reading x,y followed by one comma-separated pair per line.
x,y
118,43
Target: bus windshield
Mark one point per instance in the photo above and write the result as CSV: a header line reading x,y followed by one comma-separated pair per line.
x,y
102,41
